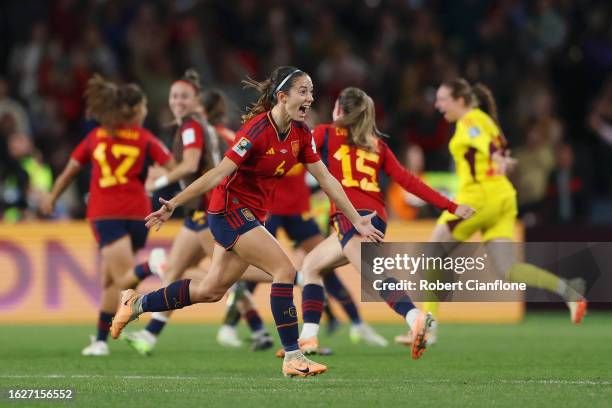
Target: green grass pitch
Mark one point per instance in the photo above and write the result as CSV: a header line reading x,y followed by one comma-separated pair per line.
x,y
544,361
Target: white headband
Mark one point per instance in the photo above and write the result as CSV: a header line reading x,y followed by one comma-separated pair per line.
x,y
285,80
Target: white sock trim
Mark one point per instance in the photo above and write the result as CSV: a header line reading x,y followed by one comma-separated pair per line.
x,y
411,316
309,330
160,316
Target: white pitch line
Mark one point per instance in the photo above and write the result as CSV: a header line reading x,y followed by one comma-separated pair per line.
x,y
327,379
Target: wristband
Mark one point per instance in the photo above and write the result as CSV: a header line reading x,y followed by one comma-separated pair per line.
x,y
160,182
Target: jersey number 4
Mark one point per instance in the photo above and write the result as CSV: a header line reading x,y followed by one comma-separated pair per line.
x,y
344,155
109,177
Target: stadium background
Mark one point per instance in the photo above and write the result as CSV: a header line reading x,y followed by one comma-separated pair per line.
x,y
548,63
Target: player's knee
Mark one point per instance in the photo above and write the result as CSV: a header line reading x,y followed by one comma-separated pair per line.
x,y
283,274
206,293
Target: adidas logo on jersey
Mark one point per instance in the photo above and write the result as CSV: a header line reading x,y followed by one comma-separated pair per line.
x,y
271,151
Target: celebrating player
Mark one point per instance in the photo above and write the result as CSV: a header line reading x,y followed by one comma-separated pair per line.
x,y
479,150
354,152
243,183
119,151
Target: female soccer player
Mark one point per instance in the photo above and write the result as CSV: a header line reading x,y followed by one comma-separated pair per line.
x,y
479,150
243,183
290,210
197,147
119,151
354,152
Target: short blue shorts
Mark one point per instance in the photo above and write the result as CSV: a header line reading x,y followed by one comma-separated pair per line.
x,y
299,228
345,229
227,227
109,231
196,220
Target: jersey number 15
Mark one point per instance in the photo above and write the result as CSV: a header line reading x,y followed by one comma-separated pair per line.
x,y
344,155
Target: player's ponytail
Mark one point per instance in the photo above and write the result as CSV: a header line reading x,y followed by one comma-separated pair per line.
x,y
215,104
358,117
101,101
111,104
486,100
281,80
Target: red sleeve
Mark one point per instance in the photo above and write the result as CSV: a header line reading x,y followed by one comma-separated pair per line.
x,y
158,152
192,135
318,135
82,153
241,149
308,153
412,183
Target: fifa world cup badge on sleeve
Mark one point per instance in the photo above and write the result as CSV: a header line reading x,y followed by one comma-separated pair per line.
x,y
242,146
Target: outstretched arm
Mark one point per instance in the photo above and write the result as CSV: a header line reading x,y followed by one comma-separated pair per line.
x,y
416,186
200,186
336,193
63,181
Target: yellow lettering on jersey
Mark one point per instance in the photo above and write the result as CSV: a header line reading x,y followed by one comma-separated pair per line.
x,y
344,155
108,178
128,134
280,170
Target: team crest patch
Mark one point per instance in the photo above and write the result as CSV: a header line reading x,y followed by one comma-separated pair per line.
x,y
242,146
248,215
295,147
473,131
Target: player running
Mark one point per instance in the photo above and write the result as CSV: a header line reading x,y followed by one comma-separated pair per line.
x,y
243,183
479,150
354,153
119,152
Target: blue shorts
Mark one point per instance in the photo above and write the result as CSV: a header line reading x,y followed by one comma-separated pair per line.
x,y
298,227
196,220
109,231
345,229
227,227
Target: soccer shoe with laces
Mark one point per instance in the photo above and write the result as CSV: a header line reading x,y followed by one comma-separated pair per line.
x,y
363,332
96,348
297,365
577,310
141,341
128,311
406,339
157,261
307,346
420,332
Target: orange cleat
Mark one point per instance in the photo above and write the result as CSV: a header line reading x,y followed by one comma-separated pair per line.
x,y
126,312
300,366
577,310
307,346
420,332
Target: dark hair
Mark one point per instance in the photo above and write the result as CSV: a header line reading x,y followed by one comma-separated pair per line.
x,y
111,104
192,77
285,76
358,117
215,104
478,95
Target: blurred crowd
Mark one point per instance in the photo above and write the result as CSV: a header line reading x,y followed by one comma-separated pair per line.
x,y
549,63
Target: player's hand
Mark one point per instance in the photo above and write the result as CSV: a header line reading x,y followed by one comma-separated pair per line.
x,y
365,228
157,218
505,163
47,204
464,211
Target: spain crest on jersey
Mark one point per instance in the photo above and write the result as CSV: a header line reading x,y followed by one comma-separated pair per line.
x,y
295,148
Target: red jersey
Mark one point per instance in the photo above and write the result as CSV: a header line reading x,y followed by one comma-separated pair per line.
x,y
263,155
196,133
119,166
292,194
357,170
